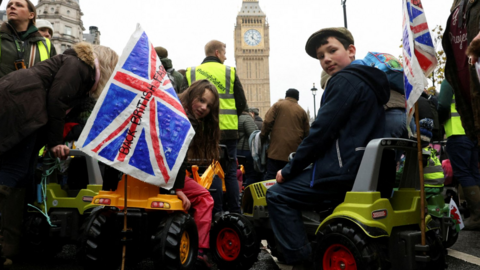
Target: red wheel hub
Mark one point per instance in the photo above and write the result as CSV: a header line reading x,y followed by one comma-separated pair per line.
x,y
228,244
338,257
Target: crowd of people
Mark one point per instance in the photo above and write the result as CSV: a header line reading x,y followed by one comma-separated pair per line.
x,y
46,98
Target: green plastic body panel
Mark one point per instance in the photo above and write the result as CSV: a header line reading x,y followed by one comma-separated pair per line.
x,y
402,209
58,198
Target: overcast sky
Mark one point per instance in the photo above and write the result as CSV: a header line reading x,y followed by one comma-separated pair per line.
x,y
185,26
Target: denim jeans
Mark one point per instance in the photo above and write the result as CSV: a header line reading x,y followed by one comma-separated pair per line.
x,y
395,124
285,203
273,166
231,183
17,165
217,195
251,176
463,155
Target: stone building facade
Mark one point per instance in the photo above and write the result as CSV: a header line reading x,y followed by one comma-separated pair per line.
x,y
252,52
66,18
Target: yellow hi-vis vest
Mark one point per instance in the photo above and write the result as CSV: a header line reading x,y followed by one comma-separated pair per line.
x,y
44,52
44,47
453,126
223,77
433,172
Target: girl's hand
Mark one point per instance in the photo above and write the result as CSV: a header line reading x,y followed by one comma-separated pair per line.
x,y
60,151
185,200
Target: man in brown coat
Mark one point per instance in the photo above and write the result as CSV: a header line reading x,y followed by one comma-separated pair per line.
x,y
287,124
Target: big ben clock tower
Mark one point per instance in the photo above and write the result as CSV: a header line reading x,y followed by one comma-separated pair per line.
x,y
252,51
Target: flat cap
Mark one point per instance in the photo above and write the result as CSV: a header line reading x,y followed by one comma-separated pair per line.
x,y
312,42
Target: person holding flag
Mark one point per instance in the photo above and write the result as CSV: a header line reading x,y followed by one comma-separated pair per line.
x,y
41,102
461,43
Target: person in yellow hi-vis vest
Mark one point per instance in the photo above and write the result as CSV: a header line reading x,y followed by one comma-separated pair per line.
x,y
21,45
232,104
433,171
463,154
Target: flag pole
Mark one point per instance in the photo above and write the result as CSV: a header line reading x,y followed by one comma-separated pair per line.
x,y
420,170
124,253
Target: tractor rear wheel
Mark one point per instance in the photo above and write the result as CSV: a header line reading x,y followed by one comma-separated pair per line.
x,y
176,243
234,242
346,247
100,246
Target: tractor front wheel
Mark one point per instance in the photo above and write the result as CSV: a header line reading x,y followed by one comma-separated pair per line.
x,y
176,243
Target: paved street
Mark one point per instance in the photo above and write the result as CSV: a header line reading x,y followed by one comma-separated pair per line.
x,y
466,248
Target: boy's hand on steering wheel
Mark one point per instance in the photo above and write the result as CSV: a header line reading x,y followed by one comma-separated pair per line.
x,y
279,177
60,151
185,201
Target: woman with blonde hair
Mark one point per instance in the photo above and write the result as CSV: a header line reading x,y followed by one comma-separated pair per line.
x,y
40,98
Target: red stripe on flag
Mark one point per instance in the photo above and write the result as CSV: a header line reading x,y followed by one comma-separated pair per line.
x,y
419,28
155,141
112,135
424,62
153,61
143,86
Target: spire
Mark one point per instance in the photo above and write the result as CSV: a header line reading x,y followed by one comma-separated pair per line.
x,y
251,8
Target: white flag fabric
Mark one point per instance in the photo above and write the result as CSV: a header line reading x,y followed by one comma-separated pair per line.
x,y
455,215
419,58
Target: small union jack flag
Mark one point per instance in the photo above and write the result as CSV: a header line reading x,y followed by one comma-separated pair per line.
x,y
418,52
138,124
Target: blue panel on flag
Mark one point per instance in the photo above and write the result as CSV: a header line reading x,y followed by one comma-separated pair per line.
x,y
173,130
138,61
406,42
172,92
425,39
111,151
115,102
415,12
140,158
408,87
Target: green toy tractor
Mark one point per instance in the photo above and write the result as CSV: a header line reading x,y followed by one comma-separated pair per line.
x,y
56,215
374,227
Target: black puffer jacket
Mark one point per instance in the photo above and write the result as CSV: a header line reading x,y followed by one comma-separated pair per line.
x,y
42,95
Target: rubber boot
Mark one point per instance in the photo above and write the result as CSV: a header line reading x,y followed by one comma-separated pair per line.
x,y
11,206
472,195
4,193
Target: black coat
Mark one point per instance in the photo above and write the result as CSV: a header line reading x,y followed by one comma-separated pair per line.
x,y
41,96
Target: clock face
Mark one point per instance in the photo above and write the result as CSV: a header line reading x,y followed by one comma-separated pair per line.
x,y
252,37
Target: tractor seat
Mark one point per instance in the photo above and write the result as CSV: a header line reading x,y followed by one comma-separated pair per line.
x,y
387,173
326,208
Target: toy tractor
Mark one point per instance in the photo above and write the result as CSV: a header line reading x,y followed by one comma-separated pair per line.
x,y
158,226
370,229
66,211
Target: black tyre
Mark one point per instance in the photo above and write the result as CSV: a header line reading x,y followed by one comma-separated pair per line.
x,y
37,241
436,252
176,243
234,242
99,242
452,237
345,246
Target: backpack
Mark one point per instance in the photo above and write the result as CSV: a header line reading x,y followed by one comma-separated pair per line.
x,y
390,65
172,78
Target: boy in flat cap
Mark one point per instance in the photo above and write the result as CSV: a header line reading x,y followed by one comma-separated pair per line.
x,y
351,114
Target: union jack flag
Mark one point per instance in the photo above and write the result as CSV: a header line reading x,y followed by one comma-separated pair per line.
x,y
138,124
418,53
